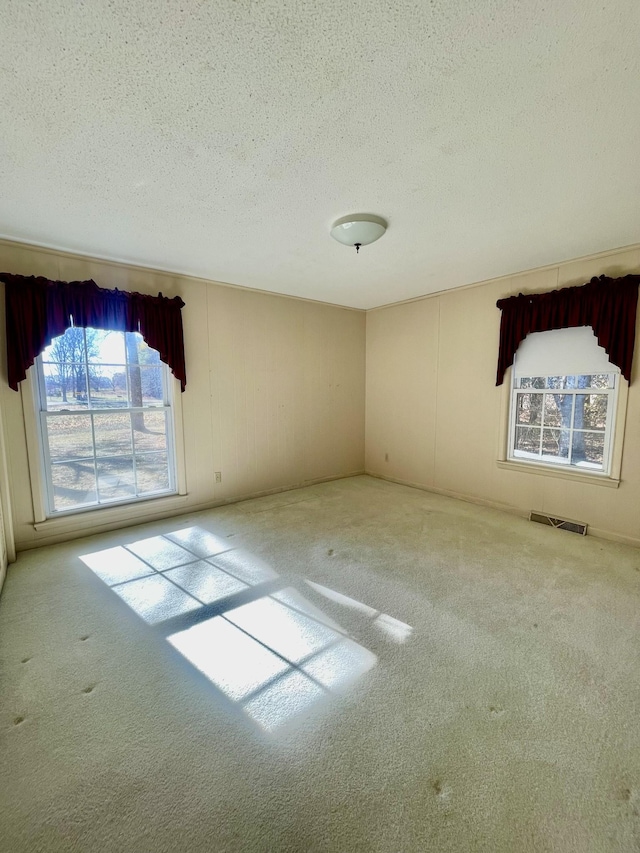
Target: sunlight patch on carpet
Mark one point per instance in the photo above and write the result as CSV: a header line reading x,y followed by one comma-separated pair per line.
x,y
261,643
393,629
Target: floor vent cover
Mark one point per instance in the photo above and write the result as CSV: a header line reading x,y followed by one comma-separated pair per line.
x,y
560,523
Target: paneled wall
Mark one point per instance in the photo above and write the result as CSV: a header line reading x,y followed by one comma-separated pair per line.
x,y
434,417
275,393
276,397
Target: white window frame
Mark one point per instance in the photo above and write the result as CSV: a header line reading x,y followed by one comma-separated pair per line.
x,y
31,390
563,472
568,352
611,393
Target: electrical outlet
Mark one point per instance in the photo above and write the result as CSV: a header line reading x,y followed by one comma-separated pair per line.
x,y
218,476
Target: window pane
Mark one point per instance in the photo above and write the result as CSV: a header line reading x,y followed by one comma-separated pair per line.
x,y
557,410
152,473
145,372
531,382
67,347
70,437
591,411
556,382
598,380
589,447
74,484
113,434
152,434
105,347
134,378
116,374
555,442
115,478
135,342
152,388
65,385
529,409
527,440
108,386
145,384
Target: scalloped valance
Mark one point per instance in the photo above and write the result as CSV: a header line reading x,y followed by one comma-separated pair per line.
x,y
606,304
38,310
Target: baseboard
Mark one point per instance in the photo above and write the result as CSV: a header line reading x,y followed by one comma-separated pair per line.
x,y
70,534
597,532
277,491
600,533
447,493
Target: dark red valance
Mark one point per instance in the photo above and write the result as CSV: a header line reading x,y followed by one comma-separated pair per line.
x,y
607,304
39,310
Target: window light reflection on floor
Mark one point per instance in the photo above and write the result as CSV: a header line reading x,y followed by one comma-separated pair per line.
x,y
394,629
261,643
277,661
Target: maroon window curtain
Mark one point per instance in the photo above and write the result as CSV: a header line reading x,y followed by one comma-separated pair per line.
x,y
38,310
609,305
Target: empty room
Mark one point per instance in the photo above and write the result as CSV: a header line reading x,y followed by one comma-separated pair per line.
x,y
319,427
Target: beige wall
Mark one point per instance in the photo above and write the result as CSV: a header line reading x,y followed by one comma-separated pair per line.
x,y
275,393
433,409
276,397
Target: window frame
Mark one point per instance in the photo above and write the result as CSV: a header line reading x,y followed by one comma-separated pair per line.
x,y
563,472
33,395
610,392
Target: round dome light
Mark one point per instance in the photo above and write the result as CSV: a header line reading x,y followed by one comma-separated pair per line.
x,y
357,230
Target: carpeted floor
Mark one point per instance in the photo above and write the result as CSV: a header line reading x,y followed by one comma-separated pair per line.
x,y
354,666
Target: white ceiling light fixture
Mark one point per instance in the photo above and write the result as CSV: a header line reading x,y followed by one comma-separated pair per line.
x,y
359,229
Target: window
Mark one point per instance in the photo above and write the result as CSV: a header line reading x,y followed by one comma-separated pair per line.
x,y
563,402
106,426
564,420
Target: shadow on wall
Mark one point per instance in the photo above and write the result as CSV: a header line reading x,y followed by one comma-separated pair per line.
x,y
258,640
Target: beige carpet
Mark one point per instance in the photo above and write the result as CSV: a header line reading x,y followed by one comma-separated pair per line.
x,y
354,666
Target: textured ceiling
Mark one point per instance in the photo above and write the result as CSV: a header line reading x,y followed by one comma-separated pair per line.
x,y
222,138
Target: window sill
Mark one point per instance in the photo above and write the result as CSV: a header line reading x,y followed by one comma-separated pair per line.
x,y
108,515
560,473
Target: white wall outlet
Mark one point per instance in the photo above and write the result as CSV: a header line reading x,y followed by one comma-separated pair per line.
x,y
218,476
